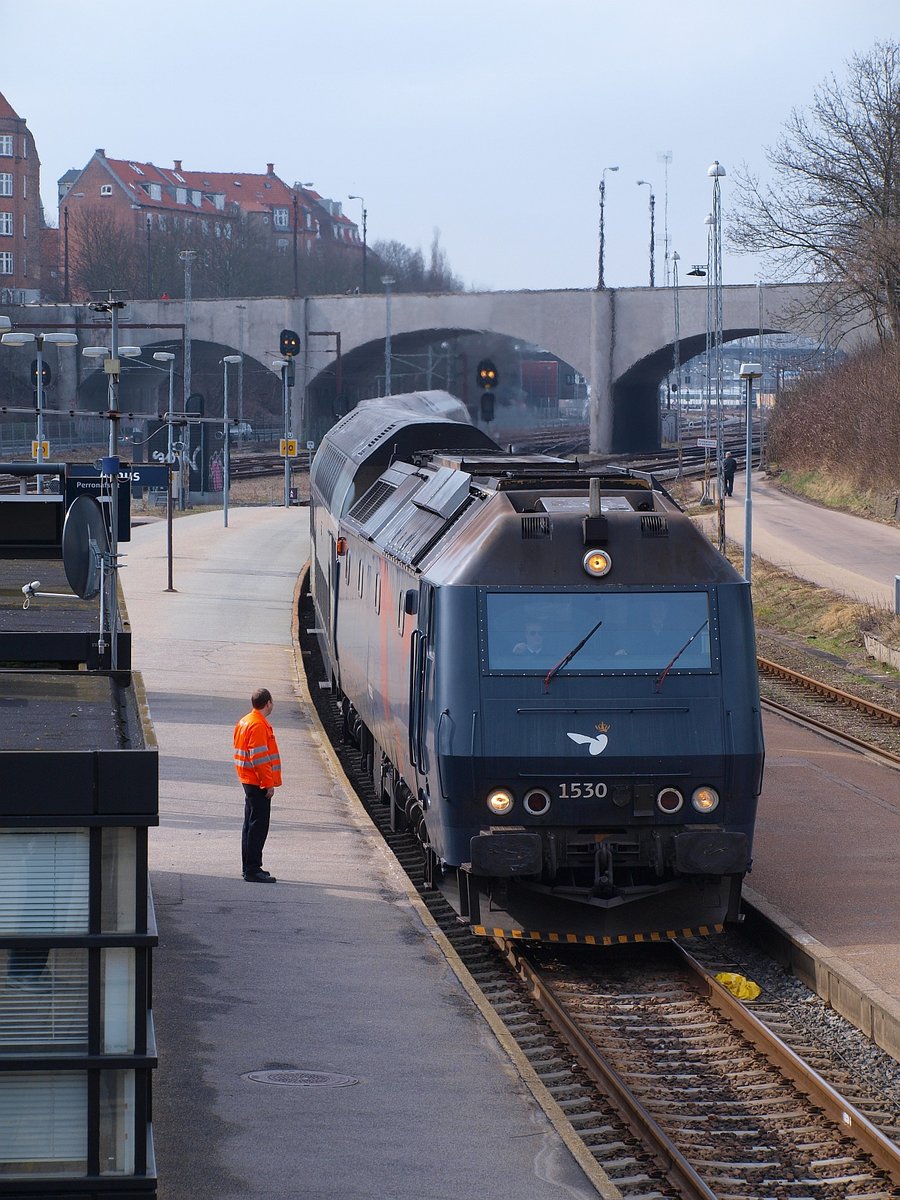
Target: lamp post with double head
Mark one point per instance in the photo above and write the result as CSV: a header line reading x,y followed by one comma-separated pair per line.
x,y
365,277
716,172
166,356
646,183
600,282
40,375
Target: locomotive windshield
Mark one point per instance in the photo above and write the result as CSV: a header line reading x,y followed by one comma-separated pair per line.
x,y
622,631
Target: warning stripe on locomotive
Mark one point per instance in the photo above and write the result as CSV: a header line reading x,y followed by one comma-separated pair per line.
x,y
589,939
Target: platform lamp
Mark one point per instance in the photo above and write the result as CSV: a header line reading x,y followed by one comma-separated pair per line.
x,y
166,356
40,376
226,463
600,281
749,372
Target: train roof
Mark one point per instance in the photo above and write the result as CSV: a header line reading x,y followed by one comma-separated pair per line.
x,y
362,444
489,518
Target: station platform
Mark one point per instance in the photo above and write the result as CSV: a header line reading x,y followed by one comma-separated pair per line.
x,y
392,1082
333,973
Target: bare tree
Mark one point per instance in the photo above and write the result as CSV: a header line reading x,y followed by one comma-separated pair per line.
x,y
832,211
105,254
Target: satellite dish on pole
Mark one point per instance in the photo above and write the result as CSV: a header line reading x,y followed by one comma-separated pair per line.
x,y
84,542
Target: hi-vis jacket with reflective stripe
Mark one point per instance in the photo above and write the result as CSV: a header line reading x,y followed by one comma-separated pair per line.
x,y
256,757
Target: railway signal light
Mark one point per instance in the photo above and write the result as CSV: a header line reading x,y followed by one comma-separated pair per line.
x,y
46,374
289,343
486,375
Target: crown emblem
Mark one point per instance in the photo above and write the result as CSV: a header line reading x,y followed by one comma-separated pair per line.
x,y
602,727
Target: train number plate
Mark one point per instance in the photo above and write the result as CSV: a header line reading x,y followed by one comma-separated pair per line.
x,y
588,789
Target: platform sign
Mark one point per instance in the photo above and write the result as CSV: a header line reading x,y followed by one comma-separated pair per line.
x,y
83,479
287,447
709,443
45,449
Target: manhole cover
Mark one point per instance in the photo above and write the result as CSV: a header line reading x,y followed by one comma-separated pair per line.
x,y
301,1078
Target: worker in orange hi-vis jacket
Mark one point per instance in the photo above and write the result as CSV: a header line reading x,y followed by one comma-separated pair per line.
x,y
258,766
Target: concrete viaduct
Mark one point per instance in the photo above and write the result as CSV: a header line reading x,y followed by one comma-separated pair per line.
x,y
620,340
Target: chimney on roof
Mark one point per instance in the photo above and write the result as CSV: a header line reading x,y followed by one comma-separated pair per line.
x,y
270,168
101,152
178,165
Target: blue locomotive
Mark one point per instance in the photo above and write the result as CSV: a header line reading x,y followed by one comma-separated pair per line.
x,y
550,673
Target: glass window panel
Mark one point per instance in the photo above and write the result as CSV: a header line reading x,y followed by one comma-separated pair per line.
x,y
43,1116
43,1001
44,881
117,1012
117,1122
118,889
637,631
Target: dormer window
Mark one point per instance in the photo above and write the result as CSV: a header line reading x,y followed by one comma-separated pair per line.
x,y
155,191
196,198
105,189
219,201
181,195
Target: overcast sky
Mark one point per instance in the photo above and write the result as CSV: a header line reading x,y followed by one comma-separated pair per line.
x,y
490,120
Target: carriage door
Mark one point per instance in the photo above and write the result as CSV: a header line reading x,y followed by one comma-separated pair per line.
x,y
421,683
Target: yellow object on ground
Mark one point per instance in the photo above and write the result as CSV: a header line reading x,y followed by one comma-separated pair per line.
x,y
739,985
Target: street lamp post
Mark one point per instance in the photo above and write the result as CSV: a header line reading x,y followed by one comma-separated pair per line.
x,y
716,172
226,461
600,283
387,280
25,339
646,183
365,277
749,372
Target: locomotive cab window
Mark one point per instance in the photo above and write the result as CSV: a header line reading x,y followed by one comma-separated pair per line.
x,y
621,632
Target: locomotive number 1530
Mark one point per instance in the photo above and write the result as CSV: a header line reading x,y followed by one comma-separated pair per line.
x,y
586,790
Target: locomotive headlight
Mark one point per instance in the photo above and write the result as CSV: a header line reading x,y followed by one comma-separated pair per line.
x,y
596,563
705,799
500,801
536,802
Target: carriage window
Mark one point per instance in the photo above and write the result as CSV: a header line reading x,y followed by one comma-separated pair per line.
x,y
625,631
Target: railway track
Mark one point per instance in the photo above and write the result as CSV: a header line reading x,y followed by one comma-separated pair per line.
x,y
709,1104
723,1105
861,722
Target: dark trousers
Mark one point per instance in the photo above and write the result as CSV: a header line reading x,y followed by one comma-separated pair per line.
x,y
257,811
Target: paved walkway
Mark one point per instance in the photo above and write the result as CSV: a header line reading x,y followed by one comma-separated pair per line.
x,y
849,555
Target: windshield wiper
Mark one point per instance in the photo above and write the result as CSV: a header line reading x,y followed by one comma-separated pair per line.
x,y
662,677
568,658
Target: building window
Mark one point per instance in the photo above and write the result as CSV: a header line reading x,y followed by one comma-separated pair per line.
x,y
105,189
6,145
280,218
25,187
196,198
161,221
6,183
24,225
6,224
155,191
282,245
137,170
6,264
44,1117
181,195
43,882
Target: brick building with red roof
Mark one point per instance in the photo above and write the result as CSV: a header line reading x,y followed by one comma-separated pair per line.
x,y
21,216
142,198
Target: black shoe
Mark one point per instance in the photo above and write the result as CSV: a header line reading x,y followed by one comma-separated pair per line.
x,y
259,877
